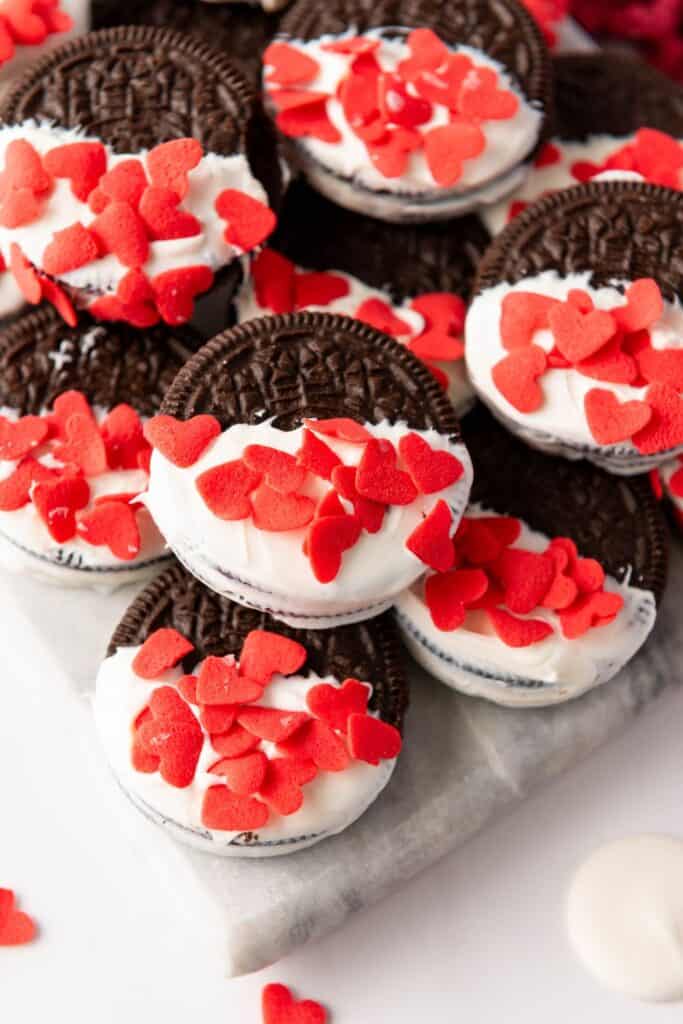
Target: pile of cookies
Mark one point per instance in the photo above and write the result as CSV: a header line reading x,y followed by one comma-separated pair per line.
x,y
275,256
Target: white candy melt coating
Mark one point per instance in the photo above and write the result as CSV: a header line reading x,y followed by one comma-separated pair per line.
x,y
24,56
507,142
552,177
270,569
560,426
625,916
62,209
28,547
332,801
11,297
474,659
459,390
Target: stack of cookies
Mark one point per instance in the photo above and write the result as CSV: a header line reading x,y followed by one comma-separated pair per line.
x,y
299,245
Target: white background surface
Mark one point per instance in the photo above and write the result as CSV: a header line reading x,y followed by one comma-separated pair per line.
x,y
479,938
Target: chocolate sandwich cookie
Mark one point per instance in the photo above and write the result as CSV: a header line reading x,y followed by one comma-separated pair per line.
x,y
240,735
73,458
558,574
408,110
308,466
137,167
613,113
574,337
410,281
241,31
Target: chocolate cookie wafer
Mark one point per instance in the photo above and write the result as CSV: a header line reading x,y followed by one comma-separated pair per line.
x,y
559,572
73,458
281,737
410,111
309,466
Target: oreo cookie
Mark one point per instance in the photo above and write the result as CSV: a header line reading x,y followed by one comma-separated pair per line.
x,y
308,466
410,111
410,281
559,572
138,170
241,31
574,335
73,458
280,737
613,113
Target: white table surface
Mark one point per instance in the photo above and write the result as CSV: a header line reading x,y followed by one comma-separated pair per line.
x,y
478,938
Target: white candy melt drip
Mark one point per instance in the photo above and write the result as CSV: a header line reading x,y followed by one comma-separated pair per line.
x,y
459,389
270,569
559,426
625,916
474,659
62,209
507,142
332,801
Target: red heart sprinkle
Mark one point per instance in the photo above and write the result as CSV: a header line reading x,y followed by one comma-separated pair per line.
x,y
25,275
162,649
291,99
664,429
288,65
549,154
182,442
279,469
273,278
58,298
265,653
318,742
518,632
69,249
123,437
580,299
15,489
228,812
334,704
477,542
235,742
271,724
610,364
449,594
83,445
328,538
187,686
481,98
378,479
427,53
588,575
112,524
611,421
588,611
83,163
176,290
506,529
19,437
431,541
444,315
389,154
522,314
578,335
16,927
318,289
280,1007
277,513
675,484
169,163
309,120
343,429
380,315
162,218
57,502
516,375
447,147
24,170
398,106
662,366
285,776
19,207
316,456
329,505
249,220
226,489
219,682
351,44
174,736
141,760
124,183
372,740
526,578
66,405
243,775
120,230
370,513
432,470
217,718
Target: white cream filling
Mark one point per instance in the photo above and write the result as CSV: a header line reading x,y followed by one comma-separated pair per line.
x,y
62,209
555,176
473,657
459,390
507,142
560,423
374,570
332,801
